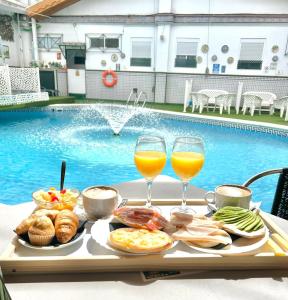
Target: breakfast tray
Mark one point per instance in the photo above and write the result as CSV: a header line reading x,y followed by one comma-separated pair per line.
x,y
88,256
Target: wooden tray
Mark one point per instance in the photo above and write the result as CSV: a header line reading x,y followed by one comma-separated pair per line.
x,y
86,256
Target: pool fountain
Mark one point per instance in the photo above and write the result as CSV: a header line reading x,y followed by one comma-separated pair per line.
x,y
118,115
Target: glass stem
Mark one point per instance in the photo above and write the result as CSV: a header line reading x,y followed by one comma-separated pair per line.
x,y
184,194
149,190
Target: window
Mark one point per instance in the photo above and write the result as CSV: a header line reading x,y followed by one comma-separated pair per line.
x,y
97,42
111,43
186,53
79,60
141,53
49,41
4,52
251,54
105,42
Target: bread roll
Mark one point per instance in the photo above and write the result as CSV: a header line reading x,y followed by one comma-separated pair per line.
x,y
50,213
41,232
66,225
24,226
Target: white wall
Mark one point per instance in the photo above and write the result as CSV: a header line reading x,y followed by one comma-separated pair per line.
x,y
80,32
20,51
249,6
230,35
190,6
110,7
164,49
193,32
229,6
76,82
164,6
13,60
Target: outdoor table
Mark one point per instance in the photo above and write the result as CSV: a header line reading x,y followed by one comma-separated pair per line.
x,y
212,94
229,284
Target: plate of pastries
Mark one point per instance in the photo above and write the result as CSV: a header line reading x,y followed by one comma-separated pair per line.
x,y
50,229
140,230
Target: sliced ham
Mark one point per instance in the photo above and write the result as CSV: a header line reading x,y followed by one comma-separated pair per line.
x,y
140,217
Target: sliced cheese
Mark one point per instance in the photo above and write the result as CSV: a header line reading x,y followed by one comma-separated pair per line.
x,y
280,241
275,248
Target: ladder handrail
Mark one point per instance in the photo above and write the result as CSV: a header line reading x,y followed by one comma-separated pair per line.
x,y
129,97
138,98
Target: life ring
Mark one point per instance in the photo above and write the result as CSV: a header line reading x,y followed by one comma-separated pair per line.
x,y
114,78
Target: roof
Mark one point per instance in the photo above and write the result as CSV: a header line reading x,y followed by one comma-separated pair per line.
x,y
47,8
12,6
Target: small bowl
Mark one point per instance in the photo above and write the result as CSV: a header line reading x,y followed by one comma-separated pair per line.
x,y
44,198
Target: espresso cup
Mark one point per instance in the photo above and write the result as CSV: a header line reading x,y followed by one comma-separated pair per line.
x,y
99,201
229,195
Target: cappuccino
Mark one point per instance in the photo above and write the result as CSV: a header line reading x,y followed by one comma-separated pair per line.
x,y
99,201
233,191
229,195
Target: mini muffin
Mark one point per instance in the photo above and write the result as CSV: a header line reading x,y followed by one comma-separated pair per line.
x,y
41,232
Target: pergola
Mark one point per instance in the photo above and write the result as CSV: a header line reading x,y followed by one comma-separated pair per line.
x,y
47,7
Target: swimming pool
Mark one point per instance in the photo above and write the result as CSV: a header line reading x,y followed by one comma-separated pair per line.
x,y
34,143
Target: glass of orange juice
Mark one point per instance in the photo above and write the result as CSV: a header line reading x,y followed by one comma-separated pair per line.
x,y
150,159
187,160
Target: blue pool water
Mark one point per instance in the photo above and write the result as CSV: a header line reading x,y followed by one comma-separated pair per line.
x,y
33,144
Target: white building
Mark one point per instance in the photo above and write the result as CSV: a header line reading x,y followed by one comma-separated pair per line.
x,y
149,41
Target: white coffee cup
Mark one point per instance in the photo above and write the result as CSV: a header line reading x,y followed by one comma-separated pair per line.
x,y
230,195
99,201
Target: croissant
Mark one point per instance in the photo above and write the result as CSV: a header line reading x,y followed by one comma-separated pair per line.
x,y
66,225
24,226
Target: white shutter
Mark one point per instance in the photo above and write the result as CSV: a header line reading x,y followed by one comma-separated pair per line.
x,y
251,51
187,48
141,49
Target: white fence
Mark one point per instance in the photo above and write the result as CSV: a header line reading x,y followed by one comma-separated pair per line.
x,y
20,85
5,84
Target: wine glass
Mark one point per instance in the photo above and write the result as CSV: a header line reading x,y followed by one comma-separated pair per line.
x,y
150,159
187,160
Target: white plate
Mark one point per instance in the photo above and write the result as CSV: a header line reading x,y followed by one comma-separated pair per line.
x,y
28,245
100,233
240,246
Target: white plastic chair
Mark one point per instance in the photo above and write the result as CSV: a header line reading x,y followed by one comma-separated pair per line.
x,y
251,102
224,101
267,99
280,104
199,101
286,115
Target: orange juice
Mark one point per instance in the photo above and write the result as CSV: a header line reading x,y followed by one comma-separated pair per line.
x,y
150,163
187,164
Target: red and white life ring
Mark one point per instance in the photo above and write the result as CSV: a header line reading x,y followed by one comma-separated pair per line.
x,y
114,78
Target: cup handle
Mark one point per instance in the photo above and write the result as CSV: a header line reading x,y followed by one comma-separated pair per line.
x,y
210,201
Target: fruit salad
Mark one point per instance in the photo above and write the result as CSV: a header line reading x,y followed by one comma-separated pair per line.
x,y
55,199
